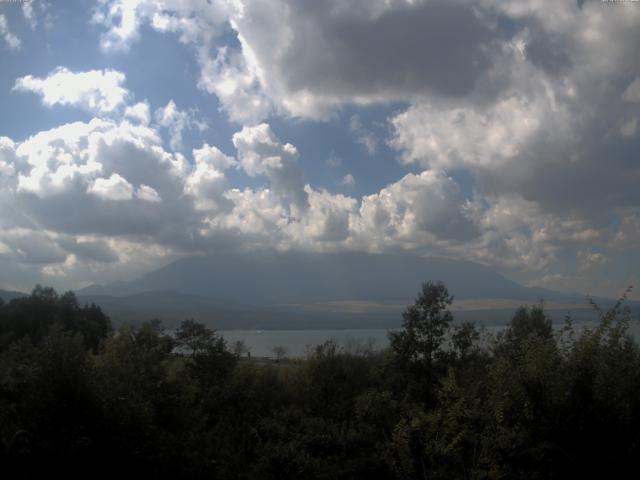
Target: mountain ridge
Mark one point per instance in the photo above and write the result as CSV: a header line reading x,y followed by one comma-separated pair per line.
x,y
290,290
296,290
273,277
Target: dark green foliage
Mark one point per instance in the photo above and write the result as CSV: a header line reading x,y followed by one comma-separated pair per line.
x,y
464,339
34,315
78,400
527,324
418,347
194,337
424,326
210,362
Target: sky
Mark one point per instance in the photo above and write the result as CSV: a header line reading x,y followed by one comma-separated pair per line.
x,y
136,132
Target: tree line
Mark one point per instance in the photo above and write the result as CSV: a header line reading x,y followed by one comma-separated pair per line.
x,y
81,399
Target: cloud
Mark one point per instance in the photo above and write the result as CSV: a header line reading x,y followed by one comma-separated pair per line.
x,y
363,136
177,121
417,210
303,60
7,157
260,218
109,180
348,181
552,120
35,12
261,153
122,18
100,177
174,120
96,201
195,21
334,161
88,249
518,234
113,188
207,183
11,41
466,137
533,104
29,15
329,219
140,112
30,247
589,262
632,92
307,61
148,194
591,272
110,199
236,86
198,23
307,58
628,234
629,128
98,91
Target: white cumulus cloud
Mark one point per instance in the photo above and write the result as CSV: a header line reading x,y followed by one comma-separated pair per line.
x,y
261,153
99,91
113,188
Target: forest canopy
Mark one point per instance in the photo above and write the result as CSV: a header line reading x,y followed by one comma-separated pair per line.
x,y
445,400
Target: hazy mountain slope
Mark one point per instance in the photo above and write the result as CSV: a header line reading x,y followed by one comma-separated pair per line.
x,y
281,278
308,290
7,295
263,290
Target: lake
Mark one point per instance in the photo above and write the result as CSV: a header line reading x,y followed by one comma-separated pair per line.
x,y
262,342
296,342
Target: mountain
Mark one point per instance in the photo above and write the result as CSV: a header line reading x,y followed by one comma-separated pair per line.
x,y
277,278
8,295
310,290
294,290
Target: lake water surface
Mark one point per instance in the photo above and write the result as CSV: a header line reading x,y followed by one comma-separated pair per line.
x,y
296,342
262,342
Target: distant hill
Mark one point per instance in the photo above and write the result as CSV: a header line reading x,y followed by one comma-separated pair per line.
x,y
8,295
294,290
279,278
312,290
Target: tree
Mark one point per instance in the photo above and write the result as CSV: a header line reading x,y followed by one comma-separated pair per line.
x,y
34,316
210,361
528,324
195,336
464,338
425,324
280,352
213,363
240,348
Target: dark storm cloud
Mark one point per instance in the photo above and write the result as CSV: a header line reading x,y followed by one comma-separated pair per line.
x,y
35,248
437,46
548,54
98,251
